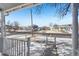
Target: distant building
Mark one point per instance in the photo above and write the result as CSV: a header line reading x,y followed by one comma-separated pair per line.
x,y
44,28
66,28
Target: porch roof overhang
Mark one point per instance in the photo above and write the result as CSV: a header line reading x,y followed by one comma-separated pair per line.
x,y
9,7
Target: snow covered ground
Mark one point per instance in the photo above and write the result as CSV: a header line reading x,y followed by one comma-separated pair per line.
x,y
64,45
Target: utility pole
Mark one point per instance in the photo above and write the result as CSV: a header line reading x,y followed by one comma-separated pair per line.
x,y
31,22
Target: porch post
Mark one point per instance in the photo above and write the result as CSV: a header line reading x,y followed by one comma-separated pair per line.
x,y
2,26
74,29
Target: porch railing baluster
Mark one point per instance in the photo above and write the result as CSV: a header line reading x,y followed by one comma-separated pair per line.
x,y
24,49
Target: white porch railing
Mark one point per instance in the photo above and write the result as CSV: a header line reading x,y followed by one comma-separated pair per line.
x,y
15,47
22,47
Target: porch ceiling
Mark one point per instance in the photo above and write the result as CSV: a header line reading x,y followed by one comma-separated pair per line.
x,y
8,7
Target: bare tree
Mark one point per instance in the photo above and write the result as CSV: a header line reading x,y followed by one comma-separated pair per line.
x,y
51,26
55,26
61,8
15,25
9,25
8,22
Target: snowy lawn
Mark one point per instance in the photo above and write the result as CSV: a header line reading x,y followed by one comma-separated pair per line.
x,y
64,45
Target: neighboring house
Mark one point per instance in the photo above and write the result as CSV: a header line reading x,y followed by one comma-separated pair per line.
x,y
66,28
